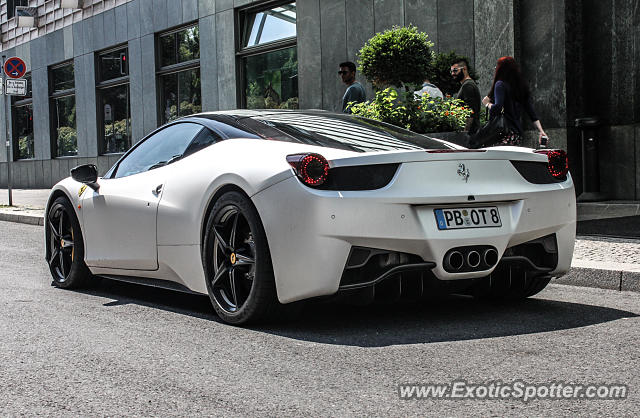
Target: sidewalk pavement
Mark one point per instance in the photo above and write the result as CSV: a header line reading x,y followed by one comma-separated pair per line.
x,y
598,261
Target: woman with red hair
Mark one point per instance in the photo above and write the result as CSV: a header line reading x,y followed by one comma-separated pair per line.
x,y
510,94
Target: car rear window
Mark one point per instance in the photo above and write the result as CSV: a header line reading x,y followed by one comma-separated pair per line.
x,y
338,131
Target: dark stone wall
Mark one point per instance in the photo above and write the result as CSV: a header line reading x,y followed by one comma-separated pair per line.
x,y
574,86
611,33
494,37
603,80
456,27
542,42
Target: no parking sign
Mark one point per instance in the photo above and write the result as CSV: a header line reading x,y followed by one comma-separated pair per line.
x,y
14,67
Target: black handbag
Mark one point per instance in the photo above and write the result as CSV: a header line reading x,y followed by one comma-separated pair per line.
x,y
494,132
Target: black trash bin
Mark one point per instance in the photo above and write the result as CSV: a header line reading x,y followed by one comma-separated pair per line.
x,y
590,166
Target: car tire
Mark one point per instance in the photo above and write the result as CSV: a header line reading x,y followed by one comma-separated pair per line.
x,y
237,262
65,246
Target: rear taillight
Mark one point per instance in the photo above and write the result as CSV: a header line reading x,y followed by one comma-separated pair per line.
x,y
312,169
558,164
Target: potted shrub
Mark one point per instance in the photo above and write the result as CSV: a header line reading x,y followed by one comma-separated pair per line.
x,y
398,57
397,61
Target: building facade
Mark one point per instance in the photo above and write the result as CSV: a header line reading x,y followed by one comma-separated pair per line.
x,y
105,73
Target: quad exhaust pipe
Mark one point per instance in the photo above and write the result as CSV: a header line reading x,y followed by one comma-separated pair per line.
x,y
490,257
454,260
472,258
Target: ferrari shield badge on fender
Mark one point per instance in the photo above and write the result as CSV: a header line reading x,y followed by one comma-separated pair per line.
x,y
463,172
82,189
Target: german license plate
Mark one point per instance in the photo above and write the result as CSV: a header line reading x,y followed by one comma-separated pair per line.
x,y
458,218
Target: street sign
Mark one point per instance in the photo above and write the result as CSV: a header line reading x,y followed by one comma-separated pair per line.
x,y
16,87
14,67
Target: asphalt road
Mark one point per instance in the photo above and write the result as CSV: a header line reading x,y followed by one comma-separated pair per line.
x,y
120,349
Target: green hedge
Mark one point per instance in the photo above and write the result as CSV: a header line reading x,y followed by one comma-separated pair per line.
x,y
419,114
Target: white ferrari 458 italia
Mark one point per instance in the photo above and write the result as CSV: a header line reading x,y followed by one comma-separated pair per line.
x,y
259,209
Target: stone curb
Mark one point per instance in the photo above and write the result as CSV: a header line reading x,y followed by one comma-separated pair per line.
x,y
622,277
621,280
23,217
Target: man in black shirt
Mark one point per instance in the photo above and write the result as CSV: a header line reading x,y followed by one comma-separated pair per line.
x,y
469,93
355,92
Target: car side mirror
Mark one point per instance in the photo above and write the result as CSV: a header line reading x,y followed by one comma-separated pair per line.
x,y
87,174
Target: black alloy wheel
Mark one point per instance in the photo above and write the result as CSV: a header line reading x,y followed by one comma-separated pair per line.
x,y
234,261
65,249
237,262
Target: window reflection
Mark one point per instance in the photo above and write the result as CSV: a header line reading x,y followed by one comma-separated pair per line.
x,y
116,126
180,46
269,25
114,112
64,120
113,64
23,131
271,80
179,74
63,111
181,94
62,77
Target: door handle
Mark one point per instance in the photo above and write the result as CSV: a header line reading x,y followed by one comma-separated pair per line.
x,y
157,190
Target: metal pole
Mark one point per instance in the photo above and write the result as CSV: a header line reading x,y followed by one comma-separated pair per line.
x,y
6,125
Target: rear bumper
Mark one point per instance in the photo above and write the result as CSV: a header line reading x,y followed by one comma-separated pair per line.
x,y
311,233
374,269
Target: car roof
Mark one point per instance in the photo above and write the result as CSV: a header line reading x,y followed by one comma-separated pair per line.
x,y
248,113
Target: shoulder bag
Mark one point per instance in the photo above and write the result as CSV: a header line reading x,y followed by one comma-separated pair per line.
x,y
496,131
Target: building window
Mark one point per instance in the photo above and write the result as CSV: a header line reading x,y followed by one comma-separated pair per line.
x,y
179,73
11,7
268,57
63,110
114,111
22,129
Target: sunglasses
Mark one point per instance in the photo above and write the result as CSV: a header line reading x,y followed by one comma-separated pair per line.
x,y
455,70
343,72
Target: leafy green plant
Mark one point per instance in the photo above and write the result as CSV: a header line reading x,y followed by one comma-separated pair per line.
x,y
441,72
420,114
67,141
396,57
25,146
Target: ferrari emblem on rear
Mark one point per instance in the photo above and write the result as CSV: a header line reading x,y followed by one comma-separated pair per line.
x,y
463,172
82,189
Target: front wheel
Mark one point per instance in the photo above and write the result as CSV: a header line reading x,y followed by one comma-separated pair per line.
x,y
65,250
237,262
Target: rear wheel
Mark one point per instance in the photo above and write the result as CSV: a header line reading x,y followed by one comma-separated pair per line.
x,y
237,262
65,253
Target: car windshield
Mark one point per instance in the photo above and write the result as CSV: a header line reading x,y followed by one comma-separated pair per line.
x,y
338,131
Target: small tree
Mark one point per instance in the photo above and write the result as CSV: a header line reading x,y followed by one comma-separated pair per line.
x,y
396,57
441,75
